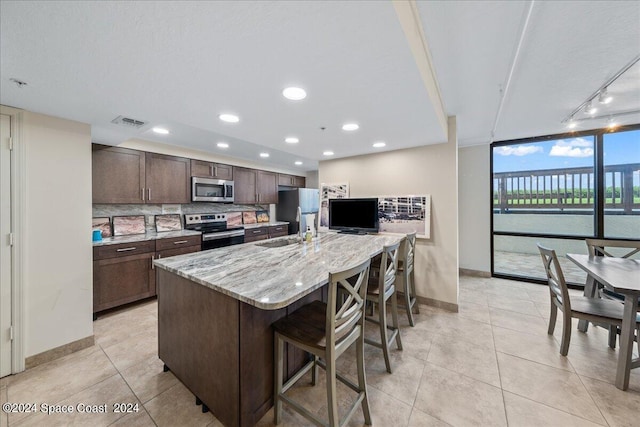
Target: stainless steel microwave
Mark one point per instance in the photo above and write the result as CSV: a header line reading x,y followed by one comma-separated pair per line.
x,y
211,190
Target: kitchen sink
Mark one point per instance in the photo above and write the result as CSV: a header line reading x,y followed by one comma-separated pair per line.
x,y
278,243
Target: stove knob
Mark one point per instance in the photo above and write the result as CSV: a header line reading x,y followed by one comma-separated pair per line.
x,y
190,218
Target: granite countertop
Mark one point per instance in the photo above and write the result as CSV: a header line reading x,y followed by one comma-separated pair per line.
x,y
273,277
265,224
149,235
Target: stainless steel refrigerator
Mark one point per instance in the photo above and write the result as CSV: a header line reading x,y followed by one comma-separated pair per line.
x,y
294,206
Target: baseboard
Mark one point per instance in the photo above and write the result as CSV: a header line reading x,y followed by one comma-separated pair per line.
x,y
439,304
474,273
58,352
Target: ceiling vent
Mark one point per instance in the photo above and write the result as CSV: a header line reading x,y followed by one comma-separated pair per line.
x,y
129,122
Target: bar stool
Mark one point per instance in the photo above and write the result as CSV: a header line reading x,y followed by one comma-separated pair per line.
x,y
326,331
380,290
405,270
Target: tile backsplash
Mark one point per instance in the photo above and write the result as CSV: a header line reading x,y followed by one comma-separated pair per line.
x,y
150,210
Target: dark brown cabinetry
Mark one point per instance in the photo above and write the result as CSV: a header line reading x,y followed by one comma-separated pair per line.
x,y
122,274
177,246
255,234
285,180
118,175
121,175
278,231
267,187
245,185
255,186
167,179
211,170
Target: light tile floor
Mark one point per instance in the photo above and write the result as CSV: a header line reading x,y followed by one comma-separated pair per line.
x,y
491,364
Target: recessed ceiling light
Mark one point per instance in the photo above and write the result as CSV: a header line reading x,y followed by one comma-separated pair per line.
x,y
291,140
572,125
229,118
222,145
350,126
161,131
298,163
294,93
328,153
264,155
379,144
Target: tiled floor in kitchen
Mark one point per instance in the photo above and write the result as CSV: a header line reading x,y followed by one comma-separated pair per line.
x,y
491,364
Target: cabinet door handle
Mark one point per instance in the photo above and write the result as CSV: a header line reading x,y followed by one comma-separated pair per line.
x,y
179,242
148,194
153,267
211,169
256,231
133,248
215,171
142,194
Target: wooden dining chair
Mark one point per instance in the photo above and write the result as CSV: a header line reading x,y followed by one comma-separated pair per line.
x,y
326,331
382,289
581,307
406,272
610,248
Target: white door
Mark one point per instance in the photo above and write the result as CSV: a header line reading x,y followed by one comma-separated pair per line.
x,y
5,248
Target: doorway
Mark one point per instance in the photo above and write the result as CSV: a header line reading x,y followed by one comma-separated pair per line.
x,y
5,247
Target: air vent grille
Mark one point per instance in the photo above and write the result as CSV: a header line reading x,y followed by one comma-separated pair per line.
x,y
129,122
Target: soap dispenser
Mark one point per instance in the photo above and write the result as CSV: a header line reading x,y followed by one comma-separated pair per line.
x,y
308,235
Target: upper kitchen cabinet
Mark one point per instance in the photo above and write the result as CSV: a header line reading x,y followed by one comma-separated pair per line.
x,y
267,187
291,181
167,179
245,185
211,170
255,186
121,175
118,175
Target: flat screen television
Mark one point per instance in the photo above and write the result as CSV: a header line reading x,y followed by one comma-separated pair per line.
x,y
354,215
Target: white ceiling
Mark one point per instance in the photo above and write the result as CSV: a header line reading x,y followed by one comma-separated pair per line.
x,y
180,64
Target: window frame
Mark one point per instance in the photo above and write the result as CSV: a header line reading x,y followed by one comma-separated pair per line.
x,y
599,196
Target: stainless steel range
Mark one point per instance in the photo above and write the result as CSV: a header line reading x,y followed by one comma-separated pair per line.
x,y
215,233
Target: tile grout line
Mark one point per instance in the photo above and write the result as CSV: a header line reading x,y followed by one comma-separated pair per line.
x,y
495,351
592,398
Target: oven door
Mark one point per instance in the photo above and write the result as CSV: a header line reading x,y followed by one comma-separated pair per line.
x,y
222,238
211,190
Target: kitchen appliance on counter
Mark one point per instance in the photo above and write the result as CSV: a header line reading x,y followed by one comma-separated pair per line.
x,y
296,207
215,233
211,190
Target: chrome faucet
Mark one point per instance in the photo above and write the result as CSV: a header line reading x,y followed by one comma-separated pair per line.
x,y
299,219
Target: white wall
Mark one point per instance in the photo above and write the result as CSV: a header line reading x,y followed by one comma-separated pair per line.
x,y
58,275
430,169
473,203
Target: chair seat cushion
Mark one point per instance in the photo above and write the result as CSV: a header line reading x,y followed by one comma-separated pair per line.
x,y
598,307
305,325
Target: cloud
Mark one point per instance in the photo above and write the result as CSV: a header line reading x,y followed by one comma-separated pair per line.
x,y
577,147
518,150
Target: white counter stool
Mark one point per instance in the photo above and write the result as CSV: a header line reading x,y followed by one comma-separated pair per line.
x,y
326,331
380,290
405,270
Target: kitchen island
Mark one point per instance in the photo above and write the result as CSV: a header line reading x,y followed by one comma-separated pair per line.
x,y
215,310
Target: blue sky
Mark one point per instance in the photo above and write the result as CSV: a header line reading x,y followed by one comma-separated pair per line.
x,y
619,148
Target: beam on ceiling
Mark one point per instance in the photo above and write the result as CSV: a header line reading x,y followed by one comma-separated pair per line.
x,y
409,17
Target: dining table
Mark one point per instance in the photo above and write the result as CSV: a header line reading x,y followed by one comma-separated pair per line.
x,y
621,275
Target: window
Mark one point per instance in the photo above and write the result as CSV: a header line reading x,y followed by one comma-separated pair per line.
x,y
559,190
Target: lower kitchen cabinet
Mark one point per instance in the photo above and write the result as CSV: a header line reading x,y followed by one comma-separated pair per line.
x,y
255,234
278,230
122,279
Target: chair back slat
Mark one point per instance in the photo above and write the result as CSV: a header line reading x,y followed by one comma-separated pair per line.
x,y
388,264
409,252
555,277
603,247
344,315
